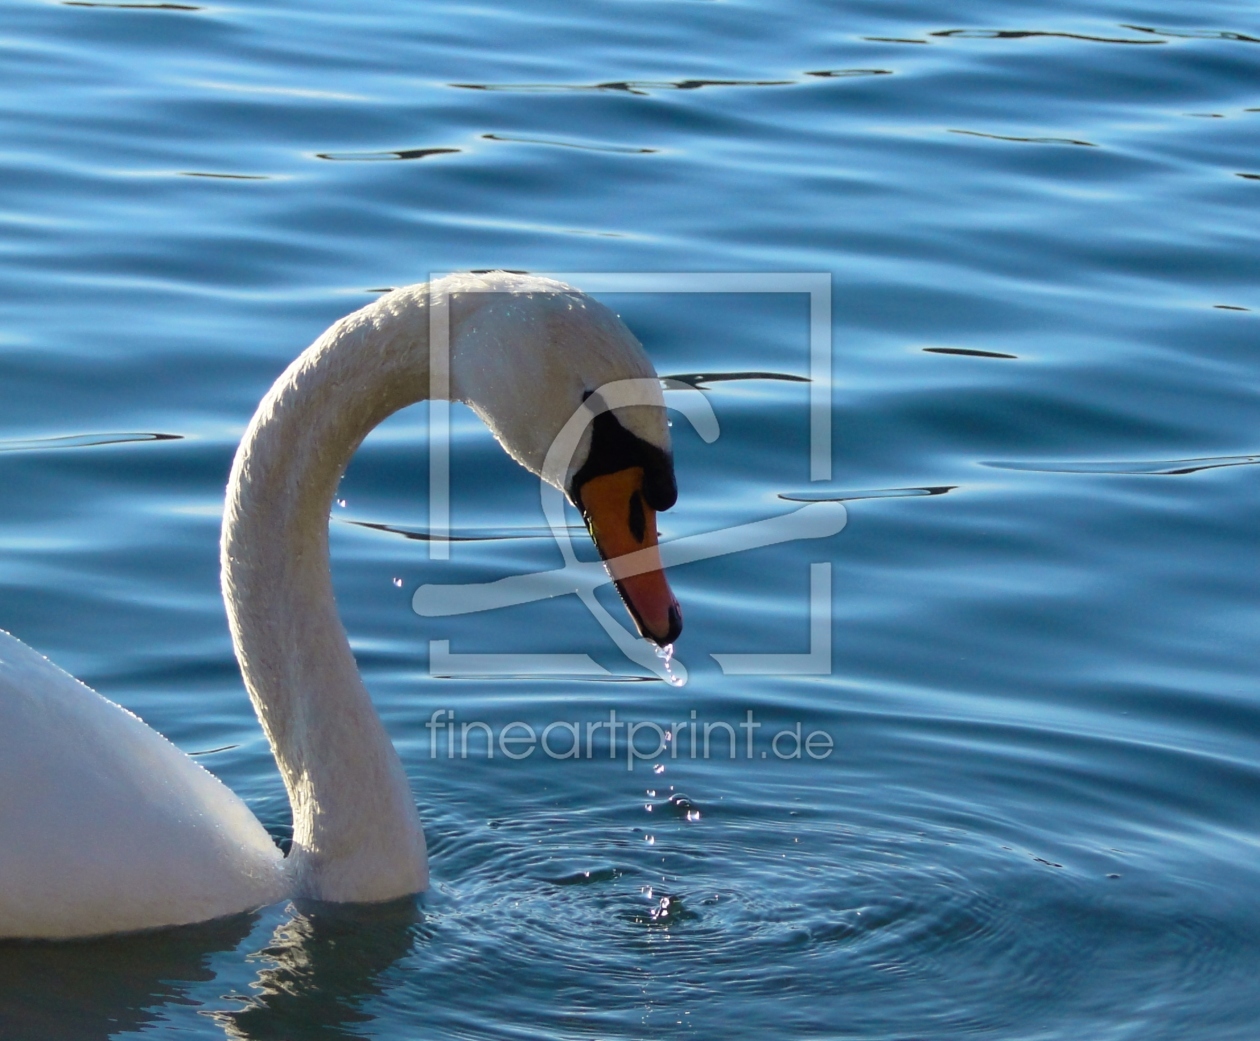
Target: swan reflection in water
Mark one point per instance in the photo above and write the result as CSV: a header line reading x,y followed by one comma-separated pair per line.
x,y
313,975
322,964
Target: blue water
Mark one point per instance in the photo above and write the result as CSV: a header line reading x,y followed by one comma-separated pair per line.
x,y
1040,814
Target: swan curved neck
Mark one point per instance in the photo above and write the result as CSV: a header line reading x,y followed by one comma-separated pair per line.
x,y
524,362
356,835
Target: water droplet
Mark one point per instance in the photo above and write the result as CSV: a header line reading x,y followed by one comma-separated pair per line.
x,y
666,654
650,839
659,768
398,582
341,503
684,807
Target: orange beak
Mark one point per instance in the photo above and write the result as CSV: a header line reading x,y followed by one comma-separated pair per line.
x,y
623,526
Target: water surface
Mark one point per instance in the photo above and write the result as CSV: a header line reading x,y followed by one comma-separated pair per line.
x,y
1039,814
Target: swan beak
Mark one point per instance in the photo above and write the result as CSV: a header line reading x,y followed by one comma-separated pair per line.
x,y
623,526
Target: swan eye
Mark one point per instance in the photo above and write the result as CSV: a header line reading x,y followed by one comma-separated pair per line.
x,y
638,522
614,449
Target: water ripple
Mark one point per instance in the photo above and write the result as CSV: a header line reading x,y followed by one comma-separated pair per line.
x,y
377,157
643,87
1165,467
225,176
823,495
968,352
133,6
623,149
1195,34
1029,140
698,379
488,536
1021,34
841,73
81,441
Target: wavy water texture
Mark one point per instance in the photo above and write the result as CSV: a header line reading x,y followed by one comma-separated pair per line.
x,y
995,770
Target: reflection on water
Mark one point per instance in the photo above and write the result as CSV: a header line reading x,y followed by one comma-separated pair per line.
x,y
323,962
86,990
311,979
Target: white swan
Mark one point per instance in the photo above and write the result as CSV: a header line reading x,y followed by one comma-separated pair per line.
x,y
105,826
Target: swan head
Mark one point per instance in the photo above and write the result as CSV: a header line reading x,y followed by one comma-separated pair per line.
x,y
537,359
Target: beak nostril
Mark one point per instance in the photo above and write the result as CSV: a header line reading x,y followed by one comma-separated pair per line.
x,y
637,520
675,623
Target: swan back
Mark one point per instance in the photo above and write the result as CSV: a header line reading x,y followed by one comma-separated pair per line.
x,y
106,825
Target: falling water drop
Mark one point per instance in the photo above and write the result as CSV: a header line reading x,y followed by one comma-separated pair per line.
x,y
666,654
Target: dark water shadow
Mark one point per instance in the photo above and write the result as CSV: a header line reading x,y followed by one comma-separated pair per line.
x,y
1164,467
323,963
36,444
83,990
